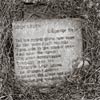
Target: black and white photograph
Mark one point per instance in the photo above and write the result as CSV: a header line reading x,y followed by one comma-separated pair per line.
x,y
49,49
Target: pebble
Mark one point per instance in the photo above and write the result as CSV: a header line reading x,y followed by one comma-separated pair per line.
x,y
85,63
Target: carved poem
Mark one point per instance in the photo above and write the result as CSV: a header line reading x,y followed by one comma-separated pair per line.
x,y
44,49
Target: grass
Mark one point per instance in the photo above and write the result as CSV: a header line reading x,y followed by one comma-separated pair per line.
x,y
84,82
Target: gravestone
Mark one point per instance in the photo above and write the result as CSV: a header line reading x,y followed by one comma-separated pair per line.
x,y
44,49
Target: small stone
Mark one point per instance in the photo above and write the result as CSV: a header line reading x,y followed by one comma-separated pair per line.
x,y
80,62
85,63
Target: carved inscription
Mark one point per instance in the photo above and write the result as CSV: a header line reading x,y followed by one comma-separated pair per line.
x,y
44,49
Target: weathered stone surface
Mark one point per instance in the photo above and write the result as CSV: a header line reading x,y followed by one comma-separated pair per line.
x,y
44,49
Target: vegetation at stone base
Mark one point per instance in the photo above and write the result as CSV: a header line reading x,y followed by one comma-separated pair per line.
x,y
84,82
